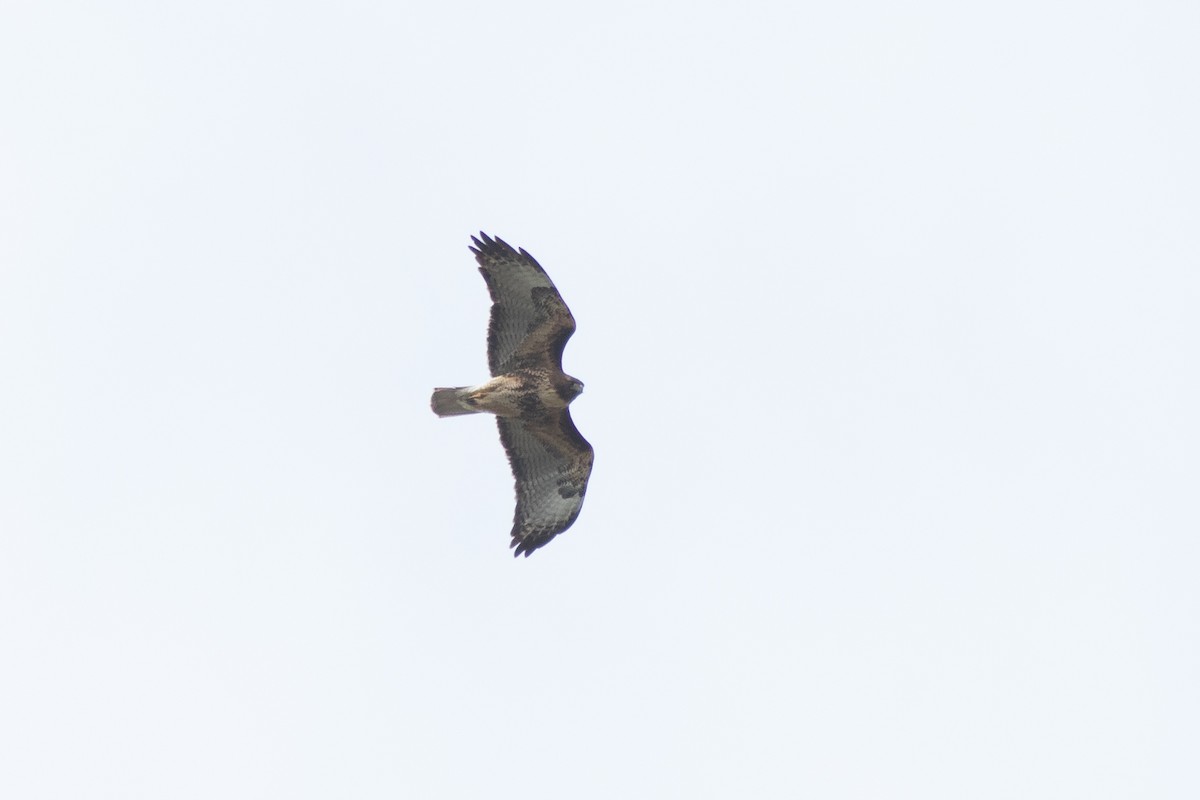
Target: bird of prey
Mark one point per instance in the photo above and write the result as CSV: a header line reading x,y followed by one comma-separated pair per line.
x,y
529,393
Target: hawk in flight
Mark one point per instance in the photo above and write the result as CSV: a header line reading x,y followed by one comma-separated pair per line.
x,y
529,393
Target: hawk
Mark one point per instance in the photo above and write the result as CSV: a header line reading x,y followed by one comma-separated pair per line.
x,y
529,393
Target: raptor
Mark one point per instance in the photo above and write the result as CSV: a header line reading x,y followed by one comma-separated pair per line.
x,y
529,393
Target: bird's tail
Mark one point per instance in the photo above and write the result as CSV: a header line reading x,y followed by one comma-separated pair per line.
x,y
447,402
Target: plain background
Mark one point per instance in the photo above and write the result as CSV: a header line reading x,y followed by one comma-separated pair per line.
x,y
888,320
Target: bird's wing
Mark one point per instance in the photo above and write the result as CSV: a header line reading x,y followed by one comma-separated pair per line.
x,y
551,463
530,323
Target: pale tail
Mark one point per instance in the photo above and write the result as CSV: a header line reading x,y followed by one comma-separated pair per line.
x,y
445,402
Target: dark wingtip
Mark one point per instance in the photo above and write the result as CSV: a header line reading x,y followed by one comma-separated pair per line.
x,y
479,246
525,547
483,242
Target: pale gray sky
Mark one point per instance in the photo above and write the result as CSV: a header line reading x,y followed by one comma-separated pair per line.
x,y
888,320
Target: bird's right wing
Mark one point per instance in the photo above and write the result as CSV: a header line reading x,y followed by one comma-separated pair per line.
x,y
530,323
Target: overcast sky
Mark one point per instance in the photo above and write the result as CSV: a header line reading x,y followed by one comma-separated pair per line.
x,y
888,316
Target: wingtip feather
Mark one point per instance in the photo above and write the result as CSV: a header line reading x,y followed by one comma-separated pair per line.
x,y
484,242
525,547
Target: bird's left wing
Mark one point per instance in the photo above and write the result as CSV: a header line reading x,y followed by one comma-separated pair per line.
x,y
551,463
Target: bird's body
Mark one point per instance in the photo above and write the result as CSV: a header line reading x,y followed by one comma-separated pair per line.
x,y
529,394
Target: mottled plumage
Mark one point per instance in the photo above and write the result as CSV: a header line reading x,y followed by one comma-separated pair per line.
x,y
529,393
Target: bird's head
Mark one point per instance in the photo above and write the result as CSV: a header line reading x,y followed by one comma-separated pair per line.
x,y
572,388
